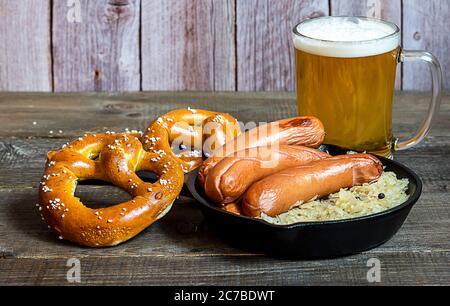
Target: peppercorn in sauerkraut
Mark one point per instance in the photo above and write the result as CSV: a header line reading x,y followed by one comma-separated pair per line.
x,y
359,201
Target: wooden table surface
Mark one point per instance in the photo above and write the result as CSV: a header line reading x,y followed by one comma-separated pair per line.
x,y
180,249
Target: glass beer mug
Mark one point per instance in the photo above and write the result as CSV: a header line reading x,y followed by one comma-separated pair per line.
x,y
346,69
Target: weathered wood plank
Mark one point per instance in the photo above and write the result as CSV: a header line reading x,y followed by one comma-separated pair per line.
x,y
96,113
19,154
169,251
100,51
387,10
265,52
25,56
421,246
29,155
184,231
426,28
188,45
101,112
181,232
396,269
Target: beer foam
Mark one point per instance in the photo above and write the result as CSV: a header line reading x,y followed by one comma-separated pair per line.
x,y
346,37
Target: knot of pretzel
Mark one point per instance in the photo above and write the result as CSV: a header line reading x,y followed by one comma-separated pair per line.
x,y
116,158
186,134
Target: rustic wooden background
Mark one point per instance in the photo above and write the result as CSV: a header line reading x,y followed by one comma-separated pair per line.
x,y
206,45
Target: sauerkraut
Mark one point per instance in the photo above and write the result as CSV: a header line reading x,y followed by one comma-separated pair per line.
x,y
368,199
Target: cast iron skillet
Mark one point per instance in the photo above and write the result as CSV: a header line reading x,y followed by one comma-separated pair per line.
x,y
312,239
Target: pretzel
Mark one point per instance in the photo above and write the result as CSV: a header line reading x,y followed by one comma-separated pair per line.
x,y
193,131
113,158
116,158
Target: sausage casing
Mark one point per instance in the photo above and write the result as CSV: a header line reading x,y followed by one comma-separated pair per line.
x,y
278,193
233,175
298,131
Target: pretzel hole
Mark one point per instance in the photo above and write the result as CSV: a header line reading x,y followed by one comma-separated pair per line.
x,y
186,150
180,147
101,196
94,155
147,176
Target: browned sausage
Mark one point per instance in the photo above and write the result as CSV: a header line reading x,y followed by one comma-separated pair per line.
x,y
278,193
232,176
206,167
233,208
299,131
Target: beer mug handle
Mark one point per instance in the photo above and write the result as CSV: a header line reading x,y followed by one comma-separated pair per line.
x,y
436,77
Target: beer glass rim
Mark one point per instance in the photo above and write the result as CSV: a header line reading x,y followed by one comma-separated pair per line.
x,y
393,25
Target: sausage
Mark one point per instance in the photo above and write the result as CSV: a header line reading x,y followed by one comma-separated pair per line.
x,y
233,175
205,168
299,131
233,208
278,193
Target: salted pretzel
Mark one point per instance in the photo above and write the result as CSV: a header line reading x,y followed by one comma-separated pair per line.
x,y
192,132
113,158
116,158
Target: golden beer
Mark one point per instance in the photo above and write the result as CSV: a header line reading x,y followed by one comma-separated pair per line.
x,y
352,96
348,81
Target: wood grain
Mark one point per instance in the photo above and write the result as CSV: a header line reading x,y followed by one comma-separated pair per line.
x,y
101,51
426,26
188,45
184,229
102,112
265,52
397,268
390,10
208,45
181,248
25,56
29,155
